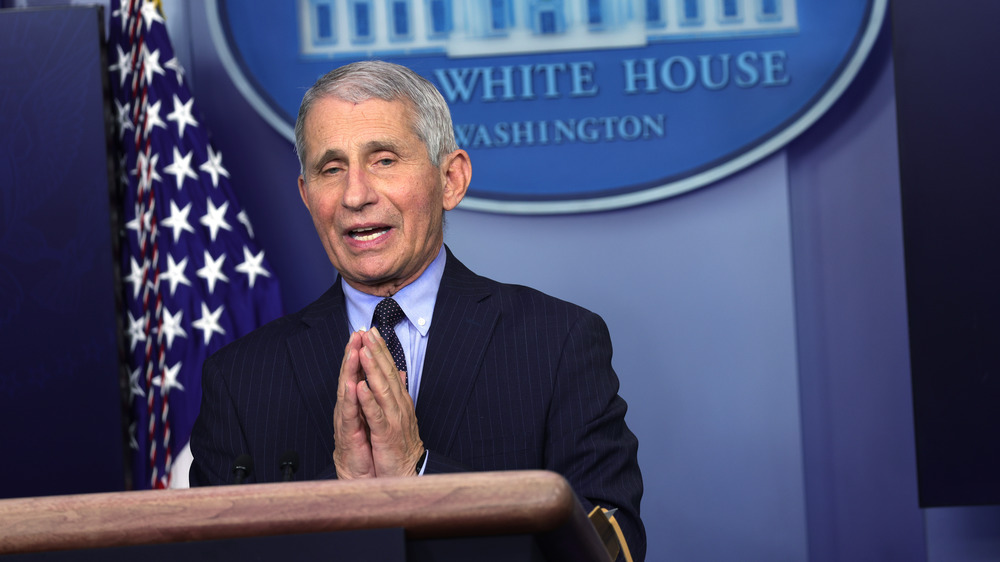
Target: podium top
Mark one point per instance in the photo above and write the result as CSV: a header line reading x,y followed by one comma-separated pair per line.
x,y
434,506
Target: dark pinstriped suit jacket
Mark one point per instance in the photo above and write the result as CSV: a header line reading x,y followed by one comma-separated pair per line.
x,y
513,379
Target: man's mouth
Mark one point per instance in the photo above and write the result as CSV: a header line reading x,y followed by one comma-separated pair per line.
x,y
369,233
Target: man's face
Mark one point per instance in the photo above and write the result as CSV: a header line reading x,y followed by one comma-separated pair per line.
x,y
375,198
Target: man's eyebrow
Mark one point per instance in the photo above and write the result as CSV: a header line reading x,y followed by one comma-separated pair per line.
x,y
330,154
381,144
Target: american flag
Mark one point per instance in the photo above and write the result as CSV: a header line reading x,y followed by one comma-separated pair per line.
x,y
195,279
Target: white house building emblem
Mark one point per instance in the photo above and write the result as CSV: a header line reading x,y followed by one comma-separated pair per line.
x,y
478,28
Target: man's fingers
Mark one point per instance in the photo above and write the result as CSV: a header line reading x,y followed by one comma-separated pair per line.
x,y
350,366
349,426
395,438
373,412
378,364
347,410
352,455
387,409
350,356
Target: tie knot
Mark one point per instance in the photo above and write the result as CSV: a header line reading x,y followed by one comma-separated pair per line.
x,y
387,313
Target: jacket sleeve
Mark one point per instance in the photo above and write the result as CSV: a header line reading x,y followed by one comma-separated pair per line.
x,y
587,439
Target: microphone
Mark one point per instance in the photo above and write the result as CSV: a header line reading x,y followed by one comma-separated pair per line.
x,y
289,463
242,468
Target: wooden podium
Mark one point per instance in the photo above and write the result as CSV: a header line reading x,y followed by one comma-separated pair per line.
x,y
524,515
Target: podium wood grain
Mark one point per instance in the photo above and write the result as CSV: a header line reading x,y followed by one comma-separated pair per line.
x,y
539,503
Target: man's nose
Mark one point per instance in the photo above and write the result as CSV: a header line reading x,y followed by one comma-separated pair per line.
x,y
360,189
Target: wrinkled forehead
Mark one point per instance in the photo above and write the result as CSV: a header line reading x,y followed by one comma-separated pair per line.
x,y
335,126
401,108
356,95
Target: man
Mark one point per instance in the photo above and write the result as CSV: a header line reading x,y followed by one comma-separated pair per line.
x,y
478,375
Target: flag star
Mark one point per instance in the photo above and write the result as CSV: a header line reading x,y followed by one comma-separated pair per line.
x,y
214,166
124,121
215,218
122,15
135,277
212,271
182,114
136,328
123,66
251,265
132,443
175,65
243,218
180,168
133,383
153,118
141,222
175,273
145,168
134,224
209,322
169,379
150,14
151,64
171,326
178,219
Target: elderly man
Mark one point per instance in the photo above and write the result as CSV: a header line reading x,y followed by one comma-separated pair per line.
x,y
412,364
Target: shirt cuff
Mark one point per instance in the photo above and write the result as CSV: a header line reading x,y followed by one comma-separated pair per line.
x,y
422,463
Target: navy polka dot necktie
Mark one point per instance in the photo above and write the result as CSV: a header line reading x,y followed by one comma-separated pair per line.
x,y
387,315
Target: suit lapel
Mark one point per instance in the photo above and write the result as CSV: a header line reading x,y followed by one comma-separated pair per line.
x,y
316,352
464,319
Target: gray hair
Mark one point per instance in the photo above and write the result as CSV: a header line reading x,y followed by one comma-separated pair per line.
x,y
365,80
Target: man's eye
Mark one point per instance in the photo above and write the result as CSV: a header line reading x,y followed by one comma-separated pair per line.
x,y
331,170
385,161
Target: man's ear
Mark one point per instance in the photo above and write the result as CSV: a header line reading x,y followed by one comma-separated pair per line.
x,y
302,192
457,171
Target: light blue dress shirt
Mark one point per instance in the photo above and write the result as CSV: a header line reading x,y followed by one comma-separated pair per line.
x,y
417,301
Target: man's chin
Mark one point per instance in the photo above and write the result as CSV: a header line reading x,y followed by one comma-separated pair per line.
x,y
368,268
371,282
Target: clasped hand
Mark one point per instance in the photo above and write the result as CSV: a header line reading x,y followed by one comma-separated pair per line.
x,y
374,422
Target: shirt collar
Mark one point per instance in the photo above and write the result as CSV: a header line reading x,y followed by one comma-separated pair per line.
x,y
416,299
